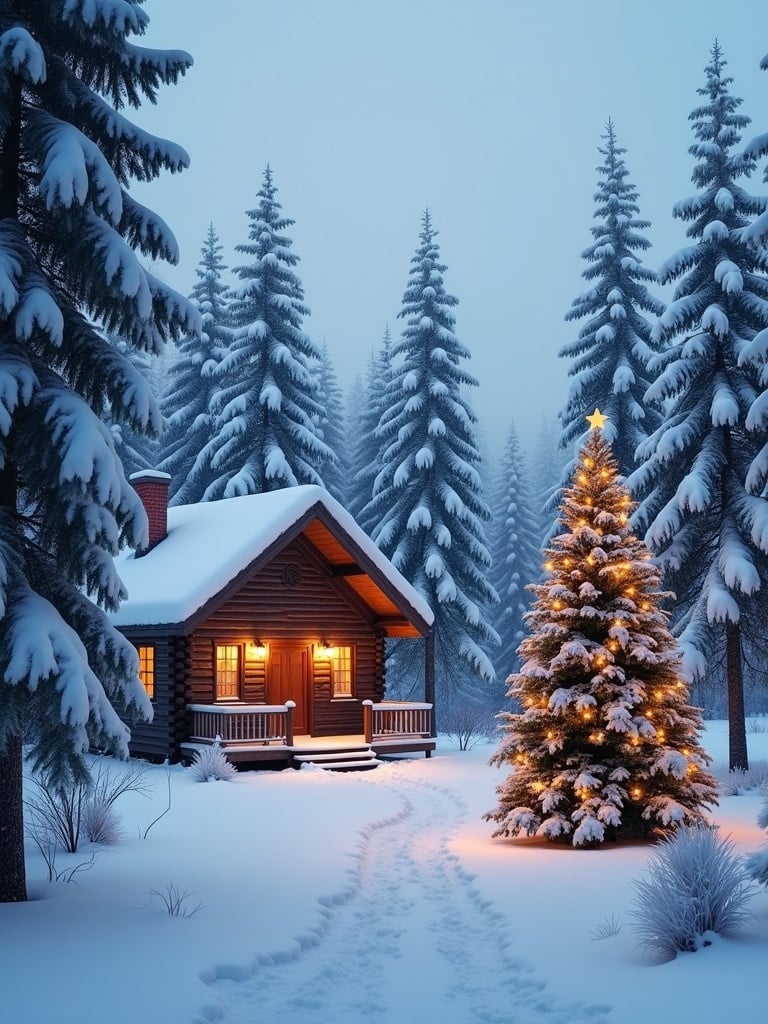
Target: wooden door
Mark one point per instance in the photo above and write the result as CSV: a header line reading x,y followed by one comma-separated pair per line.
x,y
288,679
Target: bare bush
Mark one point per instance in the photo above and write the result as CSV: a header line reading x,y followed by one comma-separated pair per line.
x,y
175,901
695,887
467,725
210,764
64,813
606,929
759,724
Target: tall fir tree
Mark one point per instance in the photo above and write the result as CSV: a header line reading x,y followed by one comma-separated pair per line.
x,y
265,436
550,461
428,499
331,427
515,537
701,510
610,356
136,449
69,273
606,744
192,383
756,148
367,452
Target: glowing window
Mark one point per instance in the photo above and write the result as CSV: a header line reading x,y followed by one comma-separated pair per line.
x,y
227,671
147,669
341,671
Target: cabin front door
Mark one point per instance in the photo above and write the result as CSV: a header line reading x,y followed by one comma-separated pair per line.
x,y
288,679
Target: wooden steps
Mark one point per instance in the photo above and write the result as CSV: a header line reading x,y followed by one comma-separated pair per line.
x,y
338,758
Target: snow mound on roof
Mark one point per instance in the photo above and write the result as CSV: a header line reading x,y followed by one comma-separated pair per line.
x,y
210,543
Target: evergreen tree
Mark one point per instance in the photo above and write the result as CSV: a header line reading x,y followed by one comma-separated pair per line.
x,y
550,463
192,384
704,521
758,147
265,412
135,448
609,359
427,497
331,428
367,452
606,744
68,274
516,553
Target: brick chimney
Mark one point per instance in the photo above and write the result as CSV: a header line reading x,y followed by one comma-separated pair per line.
x,y
152,487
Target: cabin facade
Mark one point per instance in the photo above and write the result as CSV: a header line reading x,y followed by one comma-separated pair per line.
x,y
261,621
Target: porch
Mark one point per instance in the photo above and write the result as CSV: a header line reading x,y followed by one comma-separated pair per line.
x,y
262,732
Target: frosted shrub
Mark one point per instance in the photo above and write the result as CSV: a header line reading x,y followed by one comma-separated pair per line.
x,y
100,823
736,781
696,886
210,764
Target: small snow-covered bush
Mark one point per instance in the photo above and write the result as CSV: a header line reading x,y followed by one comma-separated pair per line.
x,y
210,764
696,887
757,863
101,823
736,781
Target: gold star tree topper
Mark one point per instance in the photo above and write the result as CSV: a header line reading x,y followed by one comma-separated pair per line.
x,y
596,420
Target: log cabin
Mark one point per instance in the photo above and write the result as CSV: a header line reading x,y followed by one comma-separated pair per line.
x,y
260,623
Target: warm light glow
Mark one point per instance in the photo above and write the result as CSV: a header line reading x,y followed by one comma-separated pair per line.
x,y
637,792
550,735
549,566
327,650
557,605
257,650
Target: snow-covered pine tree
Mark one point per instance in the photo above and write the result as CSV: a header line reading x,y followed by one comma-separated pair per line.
x,y
265,411
69,231
757,147
515,550
192,384
331,428
549,461
136,449
428,500
606,743
702,511
366,455
609,359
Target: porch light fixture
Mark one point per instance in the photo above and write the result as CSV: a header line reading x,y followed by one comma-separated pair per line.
x,y
259,650
327,650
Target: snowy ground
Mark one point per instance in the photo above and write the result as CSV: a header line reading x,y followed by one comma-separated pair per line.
x,y
367,897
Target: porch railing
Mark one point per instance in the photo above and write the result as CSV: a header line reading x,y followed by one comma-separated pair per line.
x,y
242,723
394,719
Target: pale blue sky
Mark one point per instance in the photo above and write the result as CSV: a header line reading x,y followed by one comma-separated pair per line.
x,y
489,112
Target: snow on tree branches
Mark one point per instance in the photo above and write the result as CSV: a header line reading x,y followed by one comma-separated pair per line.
x,y
71,238
606,743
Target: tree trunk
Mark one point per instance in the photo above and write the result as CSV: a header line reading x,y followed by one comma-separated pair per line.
x,y
13,880
737,726
13,883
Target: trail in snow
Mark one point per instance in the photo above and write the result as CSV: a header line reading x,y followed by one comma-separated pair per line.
x,y
409,940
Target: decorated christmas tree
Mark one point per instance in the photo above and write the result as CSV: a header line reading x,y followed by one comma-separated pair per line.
x,y
606,744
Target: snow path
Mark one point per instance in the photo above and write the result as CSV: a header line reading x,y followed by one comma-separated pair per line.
x,y
408,935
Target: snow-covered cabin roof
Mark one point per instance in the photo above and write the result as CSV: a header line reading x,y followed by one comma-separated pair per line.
x,y
214,545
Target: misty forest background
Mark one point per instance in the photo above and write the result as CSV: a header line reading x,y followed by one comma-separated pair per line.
x,y
254,403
